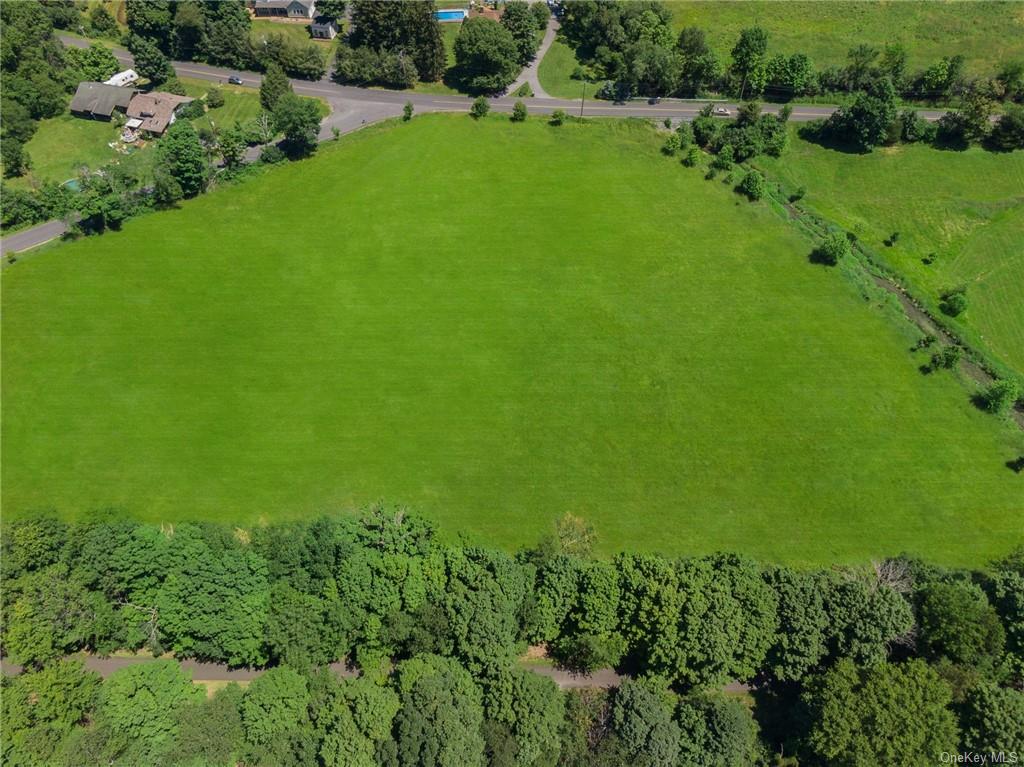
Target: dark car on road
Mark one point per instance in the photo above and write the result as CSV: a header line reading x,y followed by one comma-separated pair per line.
x,y
235,79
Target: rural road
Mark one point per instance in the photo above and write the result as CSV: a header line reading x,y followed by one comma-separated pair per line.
x,y
353,105
352,108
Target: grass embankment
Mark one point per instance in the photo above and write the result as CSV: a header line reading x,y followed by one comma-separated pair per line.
x,y
967,208
495,324
987,34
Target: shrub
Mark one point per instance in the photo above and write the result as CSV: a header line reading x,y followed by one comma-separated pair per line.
x,y
724,159
558,117
1001,396
524,91
480,108
833,249
947,358
518,112
753,185
407,111
671,145
685,133
798,195
174,85
954,302
192,110
692,157
271,154
215,98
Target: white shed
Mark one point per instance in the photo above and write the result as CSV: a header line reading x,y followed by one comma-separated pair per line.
x,y
121,79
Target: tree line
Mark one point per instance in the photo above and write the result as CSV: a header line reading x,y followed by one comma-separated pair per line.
x,y
632,48
890,664
396,44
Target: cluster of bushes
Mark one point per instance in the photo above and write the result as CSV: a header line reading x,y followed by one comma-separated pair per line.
x,y
632,46
873,119
436,631
730,142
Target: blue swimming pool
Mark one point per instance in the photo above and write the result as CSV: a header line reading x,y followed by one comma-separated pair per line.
x,y
450,14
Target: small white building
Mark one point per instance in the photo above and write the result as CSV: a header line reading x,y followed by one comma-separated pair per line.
x,y
123,79
323,28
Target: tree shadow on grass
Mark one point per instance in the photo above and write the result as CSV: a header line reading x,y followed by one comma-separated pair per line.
x,y
1016,465
816,133
818,257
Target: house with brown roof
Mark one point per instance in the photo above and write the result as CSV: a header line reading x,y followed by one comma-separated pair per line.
x,y
154,112
97,101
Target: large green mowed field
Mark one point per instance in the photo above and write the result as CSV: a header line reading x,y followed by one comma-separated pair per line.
x,y
965,207
494,324
987,34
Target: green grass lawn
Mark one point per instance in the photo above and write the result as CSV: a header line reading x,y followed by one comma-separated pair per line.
x,y
967,207
988,33
452,330
63,145
555,73
240,104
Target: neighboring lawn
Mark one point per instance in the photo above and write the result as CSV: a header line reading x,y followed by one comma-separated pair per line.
x,y
63,145
555,73
295,32
241,104
967,207
988,34
448,328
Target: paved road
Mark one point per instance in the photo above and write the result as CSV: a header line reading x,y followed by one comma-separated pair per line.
x,y
530,73
355,105
30,238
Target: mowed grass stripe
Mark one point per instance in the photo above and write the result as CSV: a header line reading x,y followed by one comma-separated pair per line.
x,y
494,324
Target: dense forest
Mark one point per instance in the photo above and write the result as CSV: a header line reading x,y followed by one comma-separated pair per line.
x,y
892,663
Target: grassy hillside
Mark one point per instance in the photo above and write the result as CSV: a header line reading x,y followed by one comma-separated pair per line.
x,y
966,207
452,329
987,33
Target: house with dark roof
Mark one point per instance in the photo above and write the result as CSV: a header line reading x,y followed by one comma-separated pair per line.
x,y
97,101
154,112
289,9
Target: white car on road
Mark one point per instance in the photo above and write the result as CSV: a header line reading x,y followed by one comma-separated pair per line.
x,y
722,111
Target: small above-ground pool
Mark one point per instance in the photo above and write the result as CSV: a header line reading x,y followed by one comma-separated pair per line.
x,y
451,14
